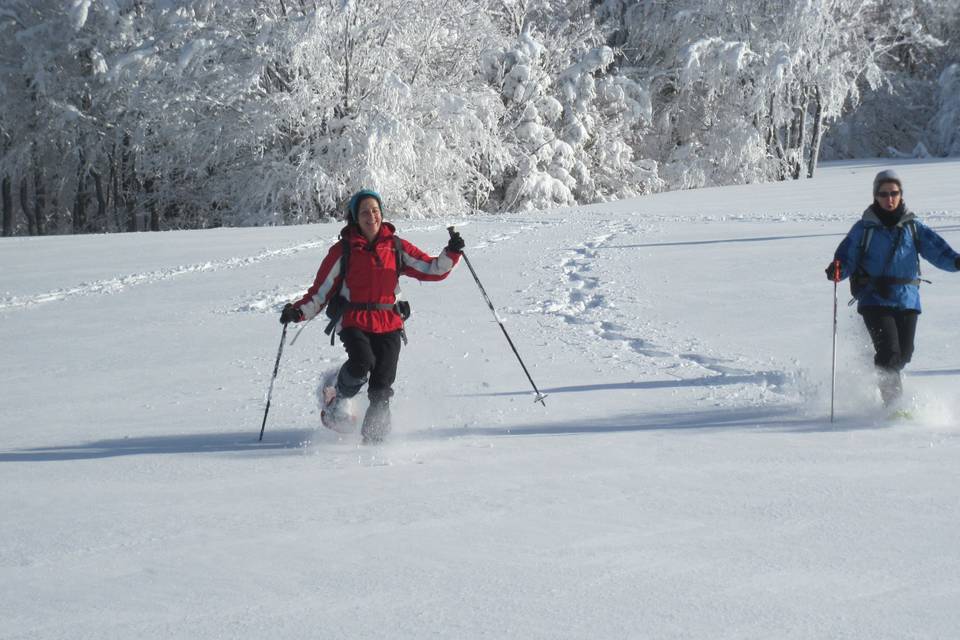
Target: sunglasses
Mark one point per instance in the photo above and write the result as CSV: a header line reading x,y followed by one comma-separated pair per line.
x,y
888,194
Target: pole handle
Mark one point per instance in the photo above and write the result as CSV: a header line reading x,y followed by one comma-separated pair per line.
x,y
451,230
836,271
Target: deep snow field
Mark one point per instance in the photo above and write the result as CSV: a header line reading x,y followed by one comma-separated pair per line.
x,y
683,481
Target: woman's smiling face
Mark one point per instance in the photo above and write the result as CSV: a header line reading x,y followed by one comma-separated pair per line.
x,y
369,218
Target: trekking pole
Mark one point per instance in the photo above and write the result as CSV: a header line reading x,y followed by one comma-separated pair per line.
x,y
276,367
300,330
540,397
833,370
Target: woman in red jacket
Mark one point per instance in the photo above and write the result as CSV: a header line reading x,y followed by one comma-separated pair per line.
x,y
367,316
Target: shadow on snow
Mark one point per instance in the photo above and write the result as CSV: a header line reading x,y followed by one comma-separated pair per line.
x,y
782,418
763,418
685,243
276,441
925,373
771,378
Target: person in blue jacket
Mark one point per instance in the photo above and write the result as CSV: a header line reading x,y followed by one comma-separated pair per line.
x,y
881,256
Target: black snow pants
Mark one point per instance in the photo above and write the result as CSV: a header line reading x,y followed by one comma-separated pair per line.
x,y
369,354
892,332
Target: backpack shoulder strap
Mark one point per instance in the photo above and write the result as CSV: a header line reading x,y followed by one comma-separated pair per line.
x,y
865,240
398,252
863,246
912,225
344,261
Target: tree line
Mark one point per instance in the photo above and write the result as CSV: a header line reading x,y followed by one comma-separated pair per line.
x,y
126,115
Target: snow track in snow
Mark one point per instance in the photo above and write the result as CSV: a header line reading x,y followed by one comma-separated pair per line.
x,y
121,283
261,302
586,299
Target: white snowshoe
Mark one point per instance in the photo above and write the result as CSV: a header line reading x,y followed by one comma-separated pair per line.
x,y
336,413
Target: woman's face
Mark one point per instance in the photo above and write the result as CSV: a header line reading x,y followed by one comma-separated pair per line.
x,y
369,218
888,195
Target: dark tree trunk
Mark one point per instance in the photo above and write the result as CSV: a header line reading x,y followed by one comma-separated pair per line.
x,y
775,144
801,135
25,205
796,132
101,200
817,136
173,218
154,216
53,220
39,201
80,202
80,210
148,188
7,206
131,213
129,183
115,187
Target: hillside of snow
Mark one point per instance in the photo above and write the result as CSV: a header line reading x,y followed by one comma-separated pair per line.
x,y
683,480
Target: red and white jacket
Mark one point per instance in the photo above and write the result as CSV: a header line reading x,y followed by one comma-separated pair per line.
x,y
372,278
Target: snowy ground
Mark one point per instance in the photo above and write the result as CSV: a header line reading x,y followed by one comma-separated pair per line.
x,y
683,480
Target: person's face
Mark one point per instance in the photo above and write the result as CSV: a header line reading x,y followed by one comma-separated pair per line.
x,y
888,196
369,218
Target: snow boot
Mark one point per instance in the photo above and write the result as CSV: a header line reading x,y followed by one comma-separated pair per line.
x,y
376,422
891,386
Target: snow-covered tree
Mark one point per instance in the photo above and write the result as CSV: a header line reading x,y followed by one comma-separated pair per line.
x,y
744,90
130,115
897,117
571,124
408,121
946,121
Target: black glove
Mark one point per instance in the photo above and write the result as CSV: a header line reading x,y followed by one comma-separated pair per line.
x,y
290,314
956,263
456,243
831,270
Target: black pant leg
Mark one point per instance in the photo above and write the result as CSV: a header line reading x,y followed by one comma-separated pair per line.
x,y
386,350
907,331
884,332
360,361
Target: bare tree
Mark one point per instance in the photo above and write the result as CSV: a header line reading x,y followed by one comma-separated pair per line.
x,y
7,197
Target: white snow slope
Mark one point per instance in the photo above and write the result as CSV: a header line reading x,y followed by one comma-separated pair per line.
x,y
683,480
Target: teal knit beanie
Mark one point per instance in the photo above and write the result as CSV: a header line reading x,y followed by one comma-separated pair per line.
x,y
355,202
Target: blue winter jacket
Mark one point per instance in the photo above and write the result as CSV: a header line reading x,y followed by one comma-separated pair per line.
x,y
903,264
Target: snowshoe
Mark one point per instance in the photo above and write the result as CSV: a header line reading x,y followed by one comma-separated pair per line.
x,y
337,412
901,414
